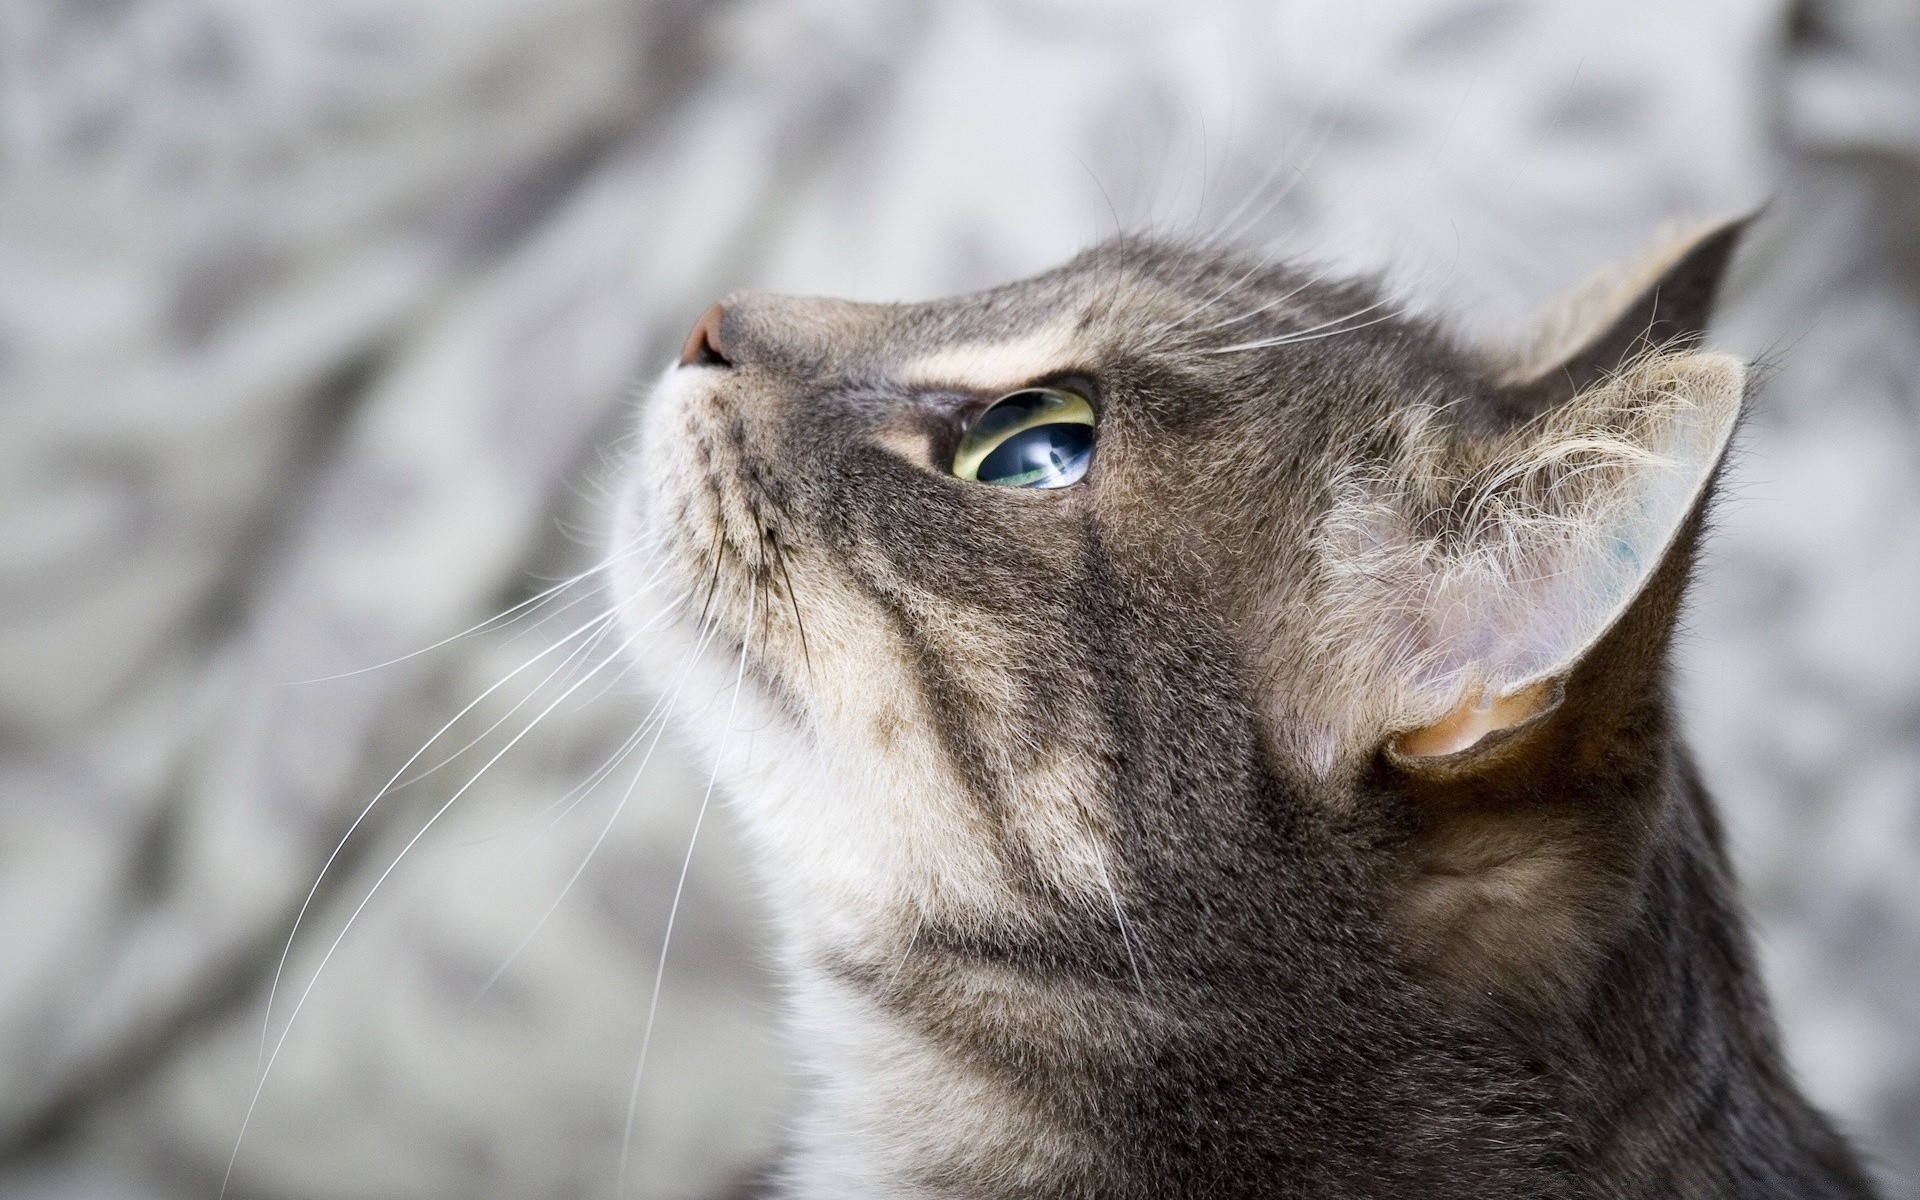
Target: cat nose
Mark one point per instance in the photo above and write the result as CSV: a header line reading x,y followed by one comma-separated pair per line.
x,y
704,347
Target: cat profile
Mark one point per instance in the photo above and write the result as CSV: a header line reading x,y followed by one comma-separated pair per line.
x,y
1210,733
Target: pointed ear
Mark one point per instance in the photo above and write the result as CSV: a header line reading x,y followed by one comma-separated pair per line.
x,y
1508,602
1475,573
1502,581
1660,302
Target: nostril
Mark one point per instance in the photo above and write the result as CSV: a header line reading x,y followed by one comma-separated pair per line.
x,y
703,348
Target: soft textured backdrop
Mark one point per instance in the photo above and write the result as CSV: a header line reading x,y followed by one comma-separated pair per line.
x,y
320,319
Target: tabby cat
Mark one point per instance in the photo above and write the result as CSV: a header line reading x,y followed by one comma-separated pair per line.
x,y
1207,733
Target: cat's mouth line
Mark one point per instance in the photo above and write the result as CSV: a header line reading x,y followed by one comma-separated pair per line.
x,y
735,617
734,540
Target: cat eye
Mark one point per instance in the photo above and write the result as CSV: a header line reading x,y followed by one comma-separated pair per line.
x,y
1032,438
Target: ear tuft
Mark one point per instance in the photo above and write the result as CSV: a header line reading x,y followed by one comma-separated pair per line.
x,y
1493,565
1657,303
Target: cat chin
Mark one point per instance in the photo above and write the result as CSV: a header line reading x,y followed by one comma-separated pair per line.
x,y
854,848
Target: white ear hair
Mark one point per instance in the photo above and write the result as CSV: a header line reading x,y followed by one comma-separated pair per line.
x,y
1469,572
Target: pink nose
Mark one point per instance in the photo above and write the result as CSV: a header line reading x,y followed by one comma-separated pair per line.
x,y
703,348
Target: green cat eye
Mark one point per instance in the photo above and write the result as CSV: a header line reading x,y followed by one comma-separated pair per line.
x,y
1033,438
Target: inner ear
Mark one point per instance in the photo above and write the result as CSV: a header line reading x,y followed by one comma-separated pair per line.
x,y
1479,715
1489,568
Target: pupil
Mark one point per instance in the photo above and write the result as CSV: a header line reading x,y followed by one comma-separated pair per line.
x,y
1046,456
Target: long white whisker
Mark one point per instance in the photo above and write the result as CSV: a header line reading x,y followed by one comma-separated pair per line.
x,y
1227,235
1210,301
1266,260
535,626
354,917
906,952
600,622
1312,335
656,720
572,797
567,801
606,584
1269,306
530,603
1126,930
484,734
488,731
673,910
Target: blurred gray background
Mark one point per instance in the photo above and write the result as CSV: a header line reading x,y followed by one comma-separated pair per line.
x,y
320,324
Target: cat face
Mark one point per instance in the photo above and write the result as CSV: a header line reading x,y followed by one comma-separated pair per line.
x,y
938,648
1308,535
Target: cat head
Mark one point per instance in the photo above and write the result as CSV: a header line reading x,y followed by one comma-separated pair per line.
x,y
977,598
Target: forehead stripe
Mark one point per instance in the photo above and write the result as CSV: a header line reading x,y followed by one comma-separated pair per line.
x,y
998,366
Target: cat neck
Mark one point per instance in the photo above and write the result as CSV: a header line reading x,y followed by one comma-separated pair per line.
x,y
1250,1060
1673,1074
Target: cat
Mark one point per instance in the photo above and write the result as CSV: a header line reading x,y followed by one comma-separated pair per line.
x,y
1207,733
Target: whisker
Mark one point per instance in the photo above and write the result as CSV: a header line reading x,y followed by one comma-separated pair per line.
x,y
1266,260
1269,306
471,744
488,731
569,800
600,622
1094,177
1126,930
673,910
763,587
906,952
606,584
507,616
713,589
572,797
599,588
1226,235
793,599
354,917
1229,232
656,720
1310,335
1159,331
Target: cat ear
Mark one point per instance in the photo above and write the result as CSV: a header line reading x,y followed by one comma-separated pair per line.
x,y
1496,560
1660,301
